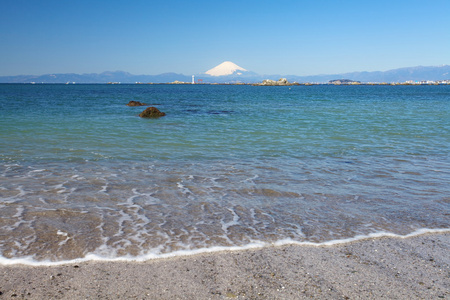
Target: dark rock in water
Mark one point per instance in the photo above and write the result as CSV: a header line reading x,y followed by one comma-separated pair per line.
x,y
151,112
136,103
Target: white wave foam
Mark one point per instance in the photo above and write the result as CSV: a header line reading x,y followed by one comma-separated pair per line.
x,y
64,234
37,171
12,199
29,260
104,188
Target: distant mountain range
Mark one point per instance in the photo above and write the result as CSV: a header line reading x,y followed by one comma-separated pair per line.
x,y
419,73
105,77
229,72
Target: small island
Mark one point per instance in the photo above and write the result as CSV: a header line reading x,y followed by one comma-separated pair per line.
x,y
343,81
279,82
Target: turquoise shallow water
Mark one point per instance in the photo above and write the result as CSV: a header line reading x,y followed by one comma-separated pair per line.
x,y
227,166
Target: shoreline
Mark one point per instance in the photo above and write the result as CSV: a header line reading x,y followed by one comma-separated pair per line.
x,y
92,257
413,267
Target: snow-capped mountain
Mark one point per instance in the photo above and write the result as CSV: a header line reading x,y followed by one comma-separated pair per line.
x,y
226,68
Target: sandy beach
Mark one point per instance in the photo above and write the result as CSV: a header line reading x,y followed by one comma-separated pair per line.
x,y
395,268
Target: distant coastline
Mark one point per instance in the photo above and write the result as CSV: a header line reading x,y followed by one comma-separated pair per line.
x,y
419,83
406,76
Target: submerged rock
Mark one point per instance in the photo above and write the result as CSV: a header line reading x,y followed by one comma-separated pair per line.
x,y
151,112
136,103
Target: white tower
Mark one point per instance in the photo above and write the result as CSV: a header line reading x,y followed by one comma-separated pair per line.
x,y
193,80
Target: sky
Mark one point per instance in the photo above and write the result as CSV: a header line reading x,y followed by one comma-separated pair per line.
x,y
290,37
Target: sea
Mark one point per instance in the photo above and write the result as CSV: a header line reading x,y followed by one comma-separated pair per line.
x,y
83,177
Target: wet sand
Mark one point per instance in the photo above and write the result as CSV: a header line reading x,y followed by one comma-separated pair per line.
x,y
395,268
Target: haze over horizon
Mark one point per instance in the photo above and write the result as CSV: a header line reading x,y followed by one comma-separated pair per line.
x,y
293,37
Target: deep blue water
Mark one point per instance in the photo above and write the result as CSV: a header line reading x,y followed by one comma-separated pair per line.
x,y
82,174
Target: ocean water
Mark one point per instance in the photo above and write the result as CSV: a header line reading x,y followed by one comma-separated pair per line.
x,y
228,167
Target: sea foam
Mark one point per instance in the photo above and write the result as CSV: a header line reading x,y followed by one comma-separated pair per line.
x,y
29,260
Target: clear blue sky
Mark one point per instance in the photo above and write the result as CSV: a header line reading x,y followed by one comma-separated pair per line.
x,y
290,37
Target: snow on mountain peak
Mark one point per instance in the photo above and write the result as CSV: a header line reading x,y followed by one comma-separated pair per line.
x,y
225,68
